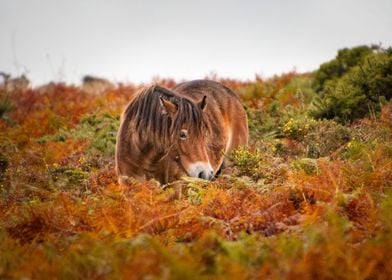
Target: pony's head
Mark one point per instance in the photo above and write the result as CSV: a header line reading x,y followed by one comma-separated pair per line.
x,y
175,127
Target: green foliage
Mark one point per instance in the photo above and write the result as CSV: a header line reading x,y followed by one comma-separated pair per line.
x,y
246,160
193,188
355,149
261,124
308,165
299,127
298,91
100,129
67,177
331,71
359,92
103,130
325,137
280,99
5,106
259,165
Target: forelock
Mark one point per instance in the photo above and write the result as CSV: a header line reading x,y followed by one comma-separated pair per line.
x,y
145,115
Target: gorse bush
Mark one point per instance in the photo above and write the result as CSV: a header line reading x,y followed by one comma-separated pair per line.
x,y
299,127
325,138
246,160
331,71
260,166
359,92
278,100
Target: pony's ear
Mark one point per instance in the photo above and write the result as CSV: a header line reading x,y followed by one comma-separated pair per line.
x,y
168,106
202,103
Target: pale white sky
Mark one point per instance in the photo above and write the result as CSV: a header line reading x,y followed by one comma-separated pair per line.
x,y
134,40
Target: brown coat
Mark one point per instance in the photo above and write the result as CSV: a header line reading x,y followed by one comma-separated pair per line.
x,y
186,131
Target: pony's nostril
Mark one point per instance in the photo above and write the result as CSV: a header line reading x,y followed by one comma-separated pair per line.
x,y
201,170
209,176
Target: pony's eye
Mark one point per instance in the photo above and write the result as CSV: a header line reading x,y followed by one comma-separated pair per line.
x,y
183,134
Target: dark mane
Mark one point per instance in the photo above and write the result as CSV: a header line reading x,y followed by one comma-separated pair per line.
x,y
146,117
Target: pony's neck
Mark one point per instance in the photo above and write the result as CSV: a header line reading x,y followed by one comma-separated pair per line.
x,y
152,159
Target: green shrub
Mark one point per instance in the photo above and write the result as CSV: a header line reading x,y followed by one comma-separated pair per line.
x,y
260,166
67,177
307,165
101,129
355,150
298,89
297,128
261,124
325,137
246,160
346,58
359,92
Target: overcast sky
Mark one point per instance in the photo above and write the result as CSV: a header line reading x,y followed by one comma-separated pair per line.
x,y
133,41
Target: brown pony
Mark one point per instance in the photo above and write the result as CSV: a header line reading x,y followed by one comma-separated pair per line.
x,y
165,134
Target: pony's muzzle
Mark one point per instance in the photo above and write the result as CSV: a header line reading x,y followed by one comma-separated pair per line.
x,y
202,170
